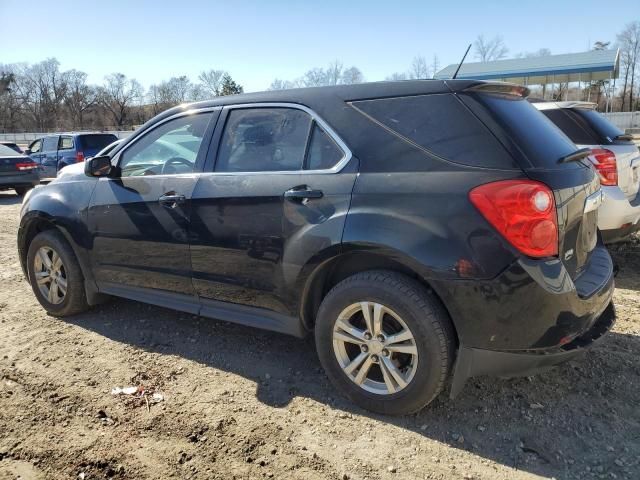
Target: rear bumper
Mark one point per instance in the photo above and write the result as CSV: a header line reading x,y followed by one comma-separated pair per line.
x,y
20,180
472,362
617,210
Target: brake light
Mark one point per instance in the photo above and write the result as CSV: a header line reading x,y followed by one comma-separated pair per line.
x,y
26,166
605,162
523,212
79,157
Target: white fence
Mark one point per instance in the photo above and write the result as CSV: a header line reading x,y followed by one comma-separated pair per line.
x,y
624,120
28,137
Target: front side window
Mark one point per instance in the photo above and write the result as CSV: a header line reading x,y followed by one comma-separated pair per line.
x,y
263,140
65,143
35,146
171,148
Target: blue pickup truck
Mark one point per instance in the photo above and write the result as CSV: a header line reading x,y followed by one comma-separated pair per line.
x,y
56,151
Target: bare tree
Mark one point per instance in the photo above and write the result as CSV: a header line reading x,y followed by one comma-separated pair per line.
x,y
279,84
490,50
629,44
419,68
315,77
333,73
435,65
351,75
211,81
118,95
394,77
79,97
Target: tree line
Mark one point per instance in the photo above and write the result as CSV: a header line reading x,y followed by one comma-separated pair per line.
x,y
41,97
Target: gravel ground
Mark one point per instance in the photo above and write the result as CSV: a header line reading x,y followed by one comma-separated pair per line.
x,y
243,403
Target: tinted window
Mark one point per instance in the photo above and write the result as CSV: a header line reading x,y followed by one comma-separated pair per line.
x,y
442,125
50,144
170,148
538,138
607,130
263,139
35,146
65,143
96,142
572,127
323,151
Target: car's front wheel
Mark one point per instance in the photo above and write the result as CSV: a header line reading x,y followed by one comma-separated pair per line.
x,y
22,190
385,341
55,275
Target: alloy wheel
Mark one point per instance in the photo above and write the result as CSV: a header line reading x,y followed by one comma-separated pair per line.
x,y
50,275
375,348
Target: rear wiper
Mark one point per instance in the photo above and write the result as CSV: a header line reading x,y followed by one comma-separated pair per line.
x,y
624,137
575,156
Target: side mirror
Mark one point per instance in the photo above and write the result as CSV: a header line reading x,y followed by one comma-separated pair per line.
x,y
98,166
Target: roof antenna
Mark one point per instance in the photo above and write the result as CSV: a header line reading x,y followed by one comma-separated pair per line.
x,y
461,62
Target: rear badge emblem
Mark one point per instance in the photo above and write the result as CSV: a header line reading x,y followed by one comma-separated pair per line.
x,y
568,254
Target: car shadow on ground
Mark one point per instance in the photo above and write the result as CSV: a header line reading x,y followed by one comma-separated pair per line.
x,y
520,423
9,197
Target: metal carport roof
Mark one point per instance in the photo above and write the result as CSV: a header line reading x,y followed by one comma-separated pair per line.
x,y
567,67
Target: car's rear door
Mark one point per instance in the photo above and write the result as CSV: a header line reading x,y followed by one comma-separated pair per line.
x,y
139,219
259,213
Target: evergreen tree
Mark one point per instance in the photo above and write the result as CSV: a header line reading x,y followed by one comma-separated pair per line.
x,y
229,86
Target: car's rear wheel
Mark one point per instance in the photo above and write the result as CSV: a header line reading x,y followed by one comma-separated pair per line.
x,y
385,341
55,275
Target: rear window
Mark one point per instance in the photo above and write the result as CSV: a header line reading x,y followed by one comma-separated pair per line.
x,y
96,142
6,151
441,124
607,130
537,137
573,127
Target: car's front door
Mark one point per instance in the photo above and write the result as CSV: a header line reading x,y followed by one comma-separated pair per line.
x,y
258,215
50,156
139,219
35,153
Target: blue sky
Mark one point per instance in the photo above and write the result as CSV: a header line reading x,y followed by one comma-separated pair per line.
x,y
257,41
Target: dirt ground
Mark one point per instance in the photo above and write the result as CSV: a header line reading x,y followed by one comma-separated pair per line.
x,y
243,403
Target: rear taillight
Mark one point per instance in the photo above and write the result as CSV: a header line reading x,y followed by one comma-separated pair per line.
x,y
22,166
79,157
605,162
523,212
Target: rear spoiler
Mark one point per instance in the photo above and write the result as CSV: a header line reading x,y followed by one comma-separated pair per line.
x,y
501,88
625,137
575,156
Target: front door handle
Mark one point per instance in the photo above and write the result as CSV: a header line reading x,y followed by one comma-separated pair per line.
x,y
302,194
172,199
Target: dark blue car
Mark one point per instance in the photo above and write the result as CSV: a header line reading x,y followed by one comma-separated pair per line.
x,y
56,151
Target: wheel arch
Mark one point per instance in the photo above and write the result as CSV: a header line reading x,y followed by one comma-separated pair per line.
x,y
353,260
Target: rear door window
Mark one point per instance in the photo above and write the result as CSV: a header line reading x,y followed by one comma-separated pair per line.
x,y
263,140
442,125
65,143
323,153
541,142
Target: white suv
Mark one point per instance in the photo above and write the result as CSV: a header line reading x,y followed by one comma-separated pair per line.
x,y
615,157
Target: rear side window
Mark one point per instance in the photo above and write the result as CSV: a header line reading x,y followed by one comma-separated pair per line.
x,y
323,151
6,151
442,125
264,140
538,138
65,143
96,142
603,127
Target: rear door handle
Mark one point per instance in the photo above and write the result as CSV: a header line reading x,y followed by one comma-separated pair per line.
x,y
172,199
302,193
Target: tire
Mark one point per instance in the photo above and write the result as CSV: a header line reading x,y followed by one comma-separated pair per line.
x,y
423,374
74,300
21,190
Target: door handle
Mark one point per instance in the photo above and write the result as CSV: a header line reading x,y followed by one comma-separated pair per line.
x,y
302,194
172,199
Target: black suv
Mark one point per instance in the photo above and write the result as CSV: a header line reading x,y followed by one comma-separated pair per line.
x,y
410,226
